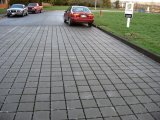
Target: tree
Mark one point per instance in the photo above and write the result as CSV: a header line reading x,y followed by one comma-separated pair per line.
x,y
117,4
70,2
109,3
104,3
60,2
49,1
24,1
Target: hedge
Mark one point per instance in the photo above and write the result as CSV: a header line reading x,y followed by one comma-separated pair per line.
x,y
24,1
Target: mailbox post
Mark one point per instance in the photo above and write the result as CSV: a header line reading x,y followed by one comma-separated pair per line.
x,y
95,4
129,12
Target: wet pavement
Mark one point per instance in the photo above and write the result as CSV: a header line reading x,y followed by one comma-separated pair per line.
x,y
52,71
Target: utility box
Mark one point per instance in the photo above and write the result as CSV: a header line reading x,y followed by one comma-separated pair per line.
x,y
129,10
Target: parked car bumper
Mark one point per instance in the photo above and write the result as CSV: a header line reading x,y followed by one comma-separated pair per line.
x,y
31,10
81,20
14,13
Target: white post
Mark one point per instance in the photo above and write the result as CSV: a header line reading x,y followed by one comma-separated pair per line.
x,y
128,22
95,4
148,9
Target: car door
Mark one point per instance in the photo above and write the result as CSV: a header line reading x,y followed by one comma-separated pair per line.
x,y
67,13
24,9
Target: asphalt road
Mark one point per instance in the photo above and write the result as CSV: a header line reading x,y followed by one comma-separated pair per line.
x,y
45,18
51,71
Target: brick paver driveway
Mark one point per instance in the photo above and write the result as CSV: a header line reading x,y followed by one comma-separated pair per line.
x,y
57,72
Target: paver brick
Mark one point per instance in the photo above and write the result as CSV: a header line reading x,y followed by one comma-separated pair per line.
x,y
7,116
74,104
42,106
23,116
123,110
92,113
89,103
75,113
117,101
138,108
152,107
26,107
59,115
57,72
108,111
10,107
145,116
41,115
129,117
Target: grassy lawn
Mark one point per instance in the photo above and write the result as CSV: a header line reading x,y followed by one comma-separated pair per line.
x,y
48,8
144,30
2,11
65,8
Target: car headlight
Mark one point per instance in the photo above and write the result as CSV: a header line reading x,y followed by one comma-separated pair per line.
x,y
19,10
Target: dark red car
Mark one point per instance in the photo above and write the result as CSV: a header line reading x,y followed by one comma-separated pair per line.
x,y
78,14
35,8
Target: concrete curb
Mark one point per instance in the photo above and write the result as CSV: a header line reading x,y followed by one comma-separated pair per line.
x,y
139,49
2,16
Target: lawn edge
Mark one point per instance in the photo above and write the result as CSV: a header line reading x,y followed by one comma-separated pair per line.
x,y
125,41
2,16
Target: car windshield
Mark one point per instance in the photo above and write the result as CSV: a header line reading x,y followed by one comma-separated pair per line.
x,y
32,4
17,6
80,9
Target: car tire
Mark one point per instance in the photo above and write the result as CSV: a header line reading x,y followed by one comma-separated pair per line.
x,y
26,13
8,15
89,24
70,22
23,14
40,11
65,20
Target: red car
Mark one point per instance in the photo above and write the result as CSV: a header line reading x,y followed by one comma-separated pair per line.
x,y
34,8
78,14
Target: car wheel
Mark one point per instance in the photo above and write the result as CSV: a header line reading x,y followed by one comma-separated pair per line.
x,y
8,15
69,22
26,13
23,14
40,11
89,24
65,20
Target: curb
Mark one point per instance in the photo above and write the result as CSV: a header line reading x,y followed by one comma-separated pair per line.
x,y
2,16
139,49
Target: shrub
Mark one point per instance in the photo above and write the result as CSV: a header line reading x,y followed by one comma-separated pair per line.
x,y
23,1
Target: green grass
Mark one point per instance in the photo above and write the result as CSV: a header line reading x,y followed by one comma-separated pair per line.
x,y
101,8
48,8
2,11
144,30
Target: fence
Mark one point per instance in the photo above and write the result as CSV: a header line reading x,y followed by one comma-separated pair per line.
x,y
3,5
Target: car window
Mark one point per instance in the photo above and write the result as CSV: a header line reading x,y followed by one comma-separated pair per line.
x,y
17,6
69,9
32,4
80,9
